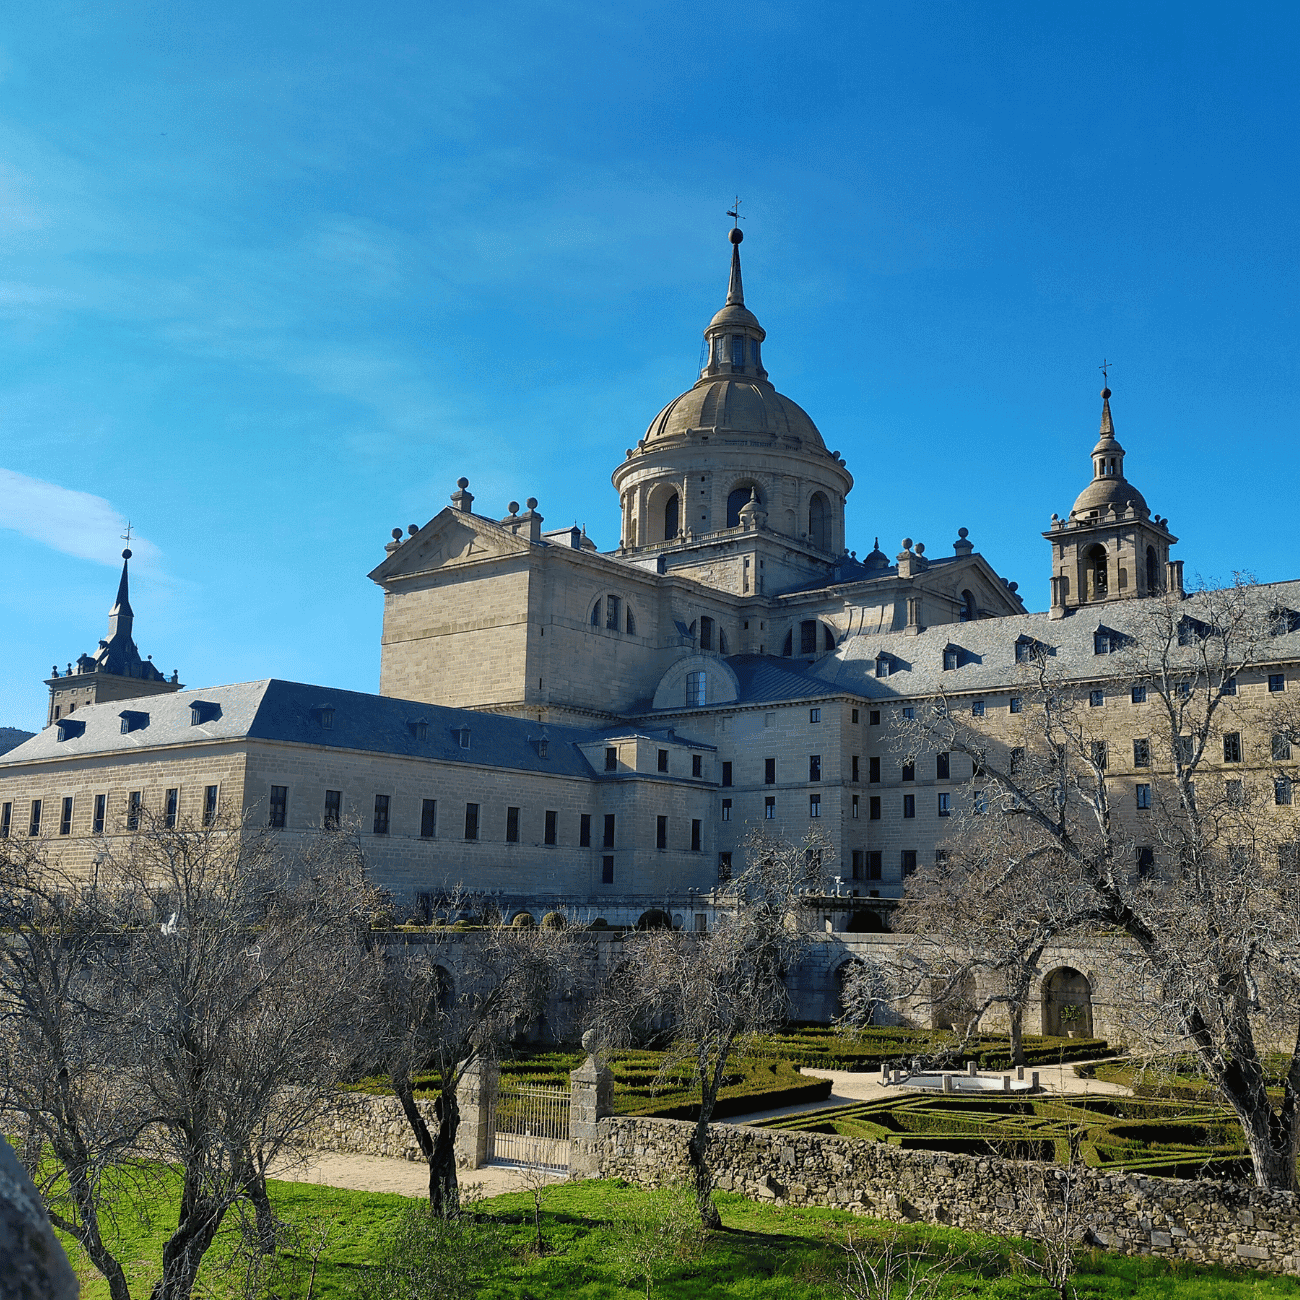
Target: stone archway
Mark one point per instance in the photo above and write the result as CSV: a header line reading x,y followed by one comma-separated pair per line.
x,y
866,920
1067,1004
655,919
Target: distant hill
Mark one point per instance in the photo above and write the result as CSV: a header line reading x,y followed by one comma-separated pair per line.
x,y
11,737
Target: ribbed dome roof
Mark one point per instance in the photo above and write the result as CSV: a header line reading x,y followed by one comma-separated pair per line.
x,y
1102,493
727,404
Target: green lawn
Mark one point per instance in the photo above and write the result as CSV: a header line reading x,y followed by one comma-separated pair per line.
x,y
790,1254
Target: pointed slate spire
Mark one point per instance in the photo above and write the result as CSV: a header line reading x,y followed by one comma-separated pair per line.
x,y
1107,424
121,617
735,290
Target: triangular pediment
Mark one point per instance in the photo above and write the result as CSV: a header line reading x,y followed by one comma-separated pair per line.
x,y
450,539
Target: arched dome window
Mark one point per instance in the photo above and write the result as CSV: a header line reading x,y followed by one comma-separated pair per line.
x,y
967,607
672,517
737,499
819,522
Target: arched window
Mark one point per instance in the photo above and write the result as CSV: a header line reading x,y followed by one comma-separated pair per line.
x,y
1095,556
808,637
737,499
595,614
631,622
828,637
706,633
1153,581
788,648
967,607
819,522
672,517
722,642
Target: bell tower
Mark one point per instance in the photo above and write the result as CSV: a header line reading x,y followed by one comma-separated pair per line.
x,y
1110,547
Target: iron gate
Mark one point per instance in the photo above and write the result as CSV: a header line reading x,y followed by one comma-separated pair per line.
x,y
530,1126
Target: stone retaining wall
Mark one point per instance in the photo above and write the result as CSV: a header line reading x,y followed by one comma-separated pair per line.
x,y
368,1126
1201,1221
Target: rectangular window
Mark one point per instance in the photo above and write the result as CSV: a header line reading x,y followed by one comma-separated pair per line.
x,y
209,805
1229,686
611,759
1139,694
609,830
977,709
942,767
945,805
726,810
769,808
980,803
909,862
814,767
1183,749
1232,747
858,864
1096,699
724,868
697,764
333,809
1143,793
471,821
428,819
853,765
909,713
512,825
875,864
909,805
1142,752
695,689
696,833
814,805
1276,682
278,805
726,774
873,771
1183,690
584,831
814,715
65,821
909,771
873,808
97,821
663,760
1017,759
550,833
855,807
381,814
34,823
1281,790
661,832
1281,746
1099,754
1146,859
170,801
769,771
607,871
1017,704
949,660
873,718
855,715
135,801
7,818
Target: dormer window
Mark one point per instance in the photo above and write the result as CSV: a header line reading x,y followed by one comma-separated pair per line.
x,y
419,728
1027,650
951,658
462,735
325,715
542,744
202,711
133,720
1106,641
884,665
69,728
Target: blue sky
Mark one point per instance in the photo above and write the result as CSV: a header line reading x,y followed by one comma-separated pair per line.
x,y
273,275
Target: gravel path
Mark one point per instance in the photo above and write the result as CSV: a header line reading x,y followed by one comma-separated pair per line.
x,y
381,1174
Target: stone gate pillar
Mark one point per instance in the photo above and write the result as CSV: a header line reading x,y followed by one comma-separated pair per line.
x,y
591,1098
476,1098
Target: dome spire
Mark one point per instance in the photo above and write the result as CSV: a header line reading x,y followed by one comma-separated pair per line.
x,y
735,289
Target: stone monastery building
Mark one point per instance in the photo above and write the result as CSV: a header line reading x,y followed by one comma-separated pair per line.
x,y
564,727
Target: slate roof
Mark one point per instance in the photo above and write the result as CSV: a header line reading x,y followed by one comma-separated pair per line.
x,y
289,712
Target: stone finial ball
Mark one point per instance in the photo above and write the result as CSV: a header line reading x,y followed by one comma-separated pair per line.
x,y
531,503
462,483
590,1041
126,554
963,533
397,534
412,529
513,507
920,548
735,235
907,543
1105,392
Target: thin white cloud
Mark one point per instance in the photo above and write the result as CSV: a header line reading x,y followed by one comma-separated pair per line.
x,y
75,523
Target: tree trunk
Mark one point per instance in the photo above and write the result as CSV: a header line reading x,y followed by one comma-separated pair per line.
x,y
199,1220
444,1191
702,1175
74,1159
1272,1142
1017,1033
263,1214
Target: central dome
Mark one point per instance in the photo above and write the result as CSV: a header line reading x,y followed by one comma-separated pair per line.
x,y
726,404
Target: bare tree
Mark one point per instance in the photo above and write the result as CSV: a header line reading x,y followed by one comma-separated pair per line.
x,y
1201,875
450,1000
192,1008
716,992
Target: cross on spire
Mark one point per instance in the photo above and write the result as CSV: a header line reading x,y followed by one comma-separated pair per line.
x,y
1105,371
126,536
734,214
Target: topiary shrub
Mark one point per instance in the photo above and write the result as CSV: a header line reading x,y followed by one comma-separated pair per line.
x,y
523,921
383,919
553,921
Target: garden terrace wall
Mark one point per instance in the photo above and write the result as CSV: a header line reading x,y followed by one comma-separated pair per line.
x,y
1201,1221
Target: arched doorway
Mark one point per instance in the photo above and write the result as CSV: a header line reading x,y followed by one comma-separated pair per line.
x,y
1067,1004
672,517
655,919
819,521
